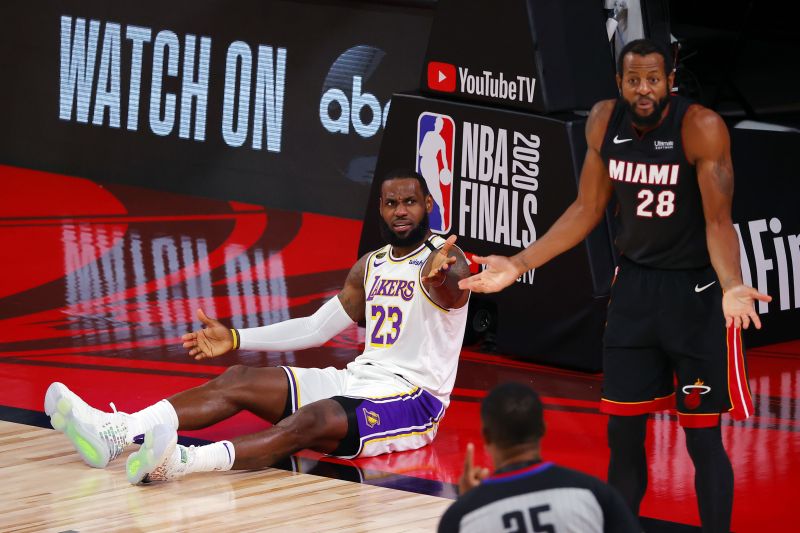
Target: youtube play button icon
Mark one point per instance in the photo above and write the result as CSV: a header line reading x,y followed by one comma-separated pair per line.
x,y
441,77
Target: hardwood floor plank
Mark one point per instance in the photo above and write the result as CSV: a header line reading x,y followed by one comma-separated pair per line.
x,y
46,487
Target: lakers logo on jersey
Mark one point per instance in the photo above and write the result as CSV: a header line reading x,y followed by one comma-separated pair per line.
x,y
391,287
372,418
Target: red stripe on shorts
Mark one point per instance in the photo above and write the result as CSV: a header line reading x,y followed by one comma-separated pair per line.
x,y
637,408
700,420
738,388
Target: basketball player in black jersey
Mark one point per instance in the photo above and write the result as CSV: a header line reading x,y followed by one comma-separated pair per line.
x,y
678,303
525,493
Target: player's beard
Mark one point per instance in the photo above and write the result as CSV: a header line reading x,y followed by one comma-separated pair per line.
x,y
653,118
415,236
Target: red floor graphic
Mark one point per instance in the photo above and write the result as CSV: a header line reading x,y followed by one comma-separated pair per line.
x,y
98,284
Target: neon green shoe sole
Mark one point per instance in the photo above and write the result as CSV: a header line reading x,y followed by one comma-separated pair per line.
x,y
92,449
158,444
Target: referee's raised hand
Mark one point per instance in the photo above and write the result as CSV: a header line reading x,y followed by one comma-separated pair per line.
x,y
472,476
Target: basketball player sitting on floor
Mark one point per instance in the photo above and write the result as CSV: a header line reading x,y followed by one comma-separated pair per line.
x,y
390,398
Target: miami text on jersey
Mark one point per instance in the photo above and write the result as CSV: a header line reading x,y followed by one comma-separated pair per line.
x,y
646,173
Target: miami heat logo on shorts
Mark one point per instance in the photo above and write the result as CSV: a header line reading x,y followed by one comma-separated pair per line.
x,y
693,392
435,136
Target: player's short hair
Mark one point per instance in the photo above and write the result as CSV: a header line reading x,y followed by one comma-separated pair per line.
x,y
643,47
512,414
404,173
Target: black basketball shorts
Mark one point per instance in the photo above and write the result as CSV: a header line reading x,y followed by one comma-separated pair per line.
x,y
666,346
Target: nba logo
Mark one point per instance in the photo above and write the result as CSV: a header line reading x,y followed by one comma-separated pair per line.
x,y
435,136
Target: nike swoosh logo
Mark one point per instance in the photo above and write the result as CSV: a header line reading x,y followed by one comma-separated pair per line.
x,y
376,264
617,140
704,287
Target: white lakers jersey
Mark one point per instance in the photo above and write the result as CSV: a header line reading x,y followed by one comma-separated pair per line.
x,y
407,333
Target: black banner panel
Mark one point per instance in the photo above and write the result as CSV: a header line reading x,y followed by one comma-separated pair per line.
x,y
499,180
766,215
536,55
272,102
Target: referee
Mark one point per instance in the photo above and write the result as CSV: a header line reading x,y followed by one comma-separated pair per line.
x,y
525,493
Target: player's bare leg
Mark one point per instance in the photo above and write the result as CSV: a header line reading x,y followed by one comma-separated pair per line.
x,y
99,437
261,391
319,426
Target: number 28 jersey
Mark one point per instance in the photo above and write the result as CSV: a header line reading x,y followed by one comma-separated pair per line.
x,y
407,333
660,220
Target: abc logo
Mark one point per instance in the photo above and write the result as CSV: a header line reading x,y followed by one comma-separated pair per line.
x,y
362,110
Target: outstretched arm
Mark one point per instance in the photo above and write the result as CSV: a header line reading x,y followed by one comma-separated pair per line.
x,y
296,334
572,227
708,147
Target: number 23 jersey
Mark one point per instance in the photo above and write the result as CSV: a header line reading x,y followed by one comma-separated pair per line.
x,y
407,333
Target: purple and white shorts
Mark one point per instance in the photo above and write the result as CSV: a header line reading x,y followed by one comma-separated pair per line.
x,y
392,414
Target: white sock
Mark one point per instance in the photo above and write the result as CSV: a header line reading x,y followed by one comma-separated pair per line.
x,y
215,456
144,420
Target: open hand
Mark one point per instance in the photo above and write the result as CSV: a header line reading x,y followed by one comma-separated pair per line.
x,y
213,340
440,263
738,306
500,272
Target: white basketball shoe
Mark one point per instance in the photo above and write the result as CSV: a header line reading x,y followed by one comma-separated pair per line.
x,y
160,458
97,436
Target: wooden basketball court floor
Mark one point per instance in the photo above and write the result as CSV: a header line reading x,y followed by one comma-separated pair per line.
x,y
99,282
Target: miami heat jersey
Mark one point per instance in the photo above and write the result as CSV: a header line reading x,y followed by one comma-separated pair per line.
x,y
660,211
407,333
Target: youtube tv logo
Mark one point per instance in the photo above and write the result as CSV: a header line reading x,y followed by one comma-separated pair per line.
x,y
441,77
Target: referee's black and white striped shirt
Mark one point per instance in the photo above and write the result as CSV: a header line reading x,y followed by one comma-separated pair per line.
x,y
540,497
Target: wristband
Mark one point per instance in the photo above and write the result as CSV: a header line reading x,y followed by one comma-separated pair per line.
x,y
236,341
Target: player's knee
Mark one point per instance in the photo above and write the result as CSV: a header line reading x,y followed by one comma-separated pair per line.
x,y
303,428
236,375
315,424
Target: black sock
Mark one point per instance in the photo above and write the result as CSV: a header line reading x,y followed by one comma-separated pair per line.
x,y
627,469
713,478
